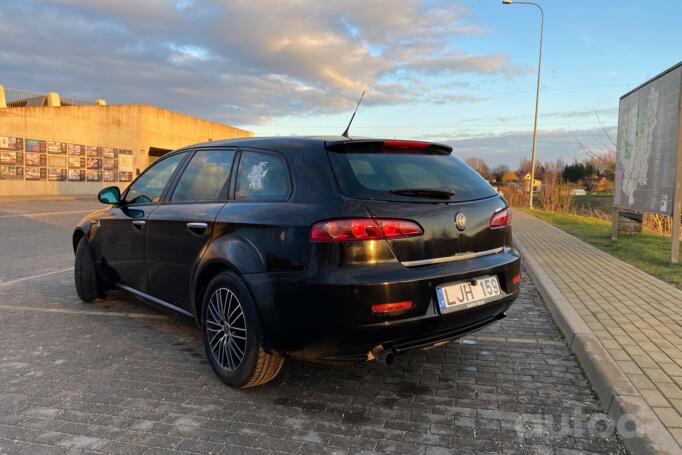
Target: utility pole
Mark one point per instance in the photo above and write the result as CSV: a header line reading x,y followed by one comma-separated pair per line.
x,y
537,96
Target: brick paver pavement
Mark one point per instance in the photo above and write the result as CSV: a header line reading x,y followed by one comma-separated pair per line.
x,y
120,377
636,317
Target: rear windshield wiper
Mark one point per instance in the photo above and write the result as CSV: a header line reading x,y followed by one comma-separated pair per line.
x,y
436,193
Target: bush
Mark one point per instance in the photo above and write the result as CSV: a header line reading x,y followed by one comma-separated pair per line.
x,y
555,195
515,195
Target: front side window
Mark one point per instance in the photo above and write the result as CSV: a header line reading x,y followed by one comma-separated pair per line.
x,y
149,187
205,176
262,176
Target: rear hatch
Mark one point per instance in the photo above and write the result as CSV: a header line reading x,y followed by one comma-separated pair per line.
x,y
425,183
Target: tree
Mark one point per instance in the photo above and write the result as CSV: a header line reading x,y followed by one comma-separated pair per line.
x,y
524,167
603,157
575,172
479,166
604,164
553,171
499,171
540,170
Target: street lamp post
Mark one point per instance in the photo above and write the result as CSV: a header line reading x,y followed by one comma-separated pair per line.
x,y
537,95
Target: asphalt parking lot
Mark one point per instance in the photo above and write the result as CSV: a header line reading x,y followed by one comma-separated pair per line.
x,y
120,377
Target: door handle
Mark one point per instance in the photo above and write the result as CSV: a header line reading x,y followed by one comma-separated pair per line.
x,y
197,228
139,224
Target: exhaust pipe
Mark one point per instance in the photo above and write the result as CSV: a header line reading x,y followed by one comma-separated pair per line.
x,y
381,355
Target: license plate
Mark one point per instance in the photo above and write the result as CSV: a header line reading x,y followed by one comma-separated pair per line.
x,y
468,294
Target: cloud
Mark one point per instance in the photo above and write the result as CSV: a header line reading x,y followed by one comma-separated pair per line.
x,y
591,114
510,148
243,61
460,62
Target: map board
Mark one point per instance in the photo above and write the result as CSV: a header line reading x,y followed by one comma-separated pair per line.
x,y
648,136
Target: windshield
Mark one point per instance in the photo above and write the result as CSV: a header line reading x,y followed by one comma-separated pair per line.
x,y
391,176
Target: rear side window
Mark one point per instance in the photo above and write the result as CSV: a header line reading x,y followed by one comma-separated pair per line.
x,y
373,174
262,176
205,176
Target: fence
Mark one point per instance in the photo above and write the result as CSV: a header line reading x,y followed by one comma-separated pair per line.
x,y
27,98
24,98
77,102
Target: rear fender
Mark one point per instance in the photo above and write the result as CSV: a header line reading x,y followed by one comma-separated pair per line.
x,y
236,250
235,254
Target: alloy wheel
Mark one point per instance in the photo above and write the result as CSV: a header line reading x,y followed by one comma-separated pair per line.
x,y
226,329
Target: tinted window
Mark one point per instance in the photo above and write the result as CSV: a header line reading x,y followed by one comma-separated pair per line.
x,y
149,187
204,177
374,175
262,176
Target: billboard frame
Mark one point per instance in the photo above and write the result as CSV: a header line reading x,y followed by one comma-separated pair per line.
x,y
677,196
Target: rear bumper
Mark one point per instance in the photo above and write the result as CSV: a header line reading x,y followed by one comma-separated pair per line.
x,y
415,334
326,314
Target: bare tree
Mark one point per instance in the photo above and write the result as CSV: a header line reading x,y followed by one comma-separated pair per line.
x,y
524,167
603,157
480,166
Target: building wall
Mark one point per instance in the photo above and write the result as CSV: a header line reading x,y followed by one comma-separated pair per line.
x,y
128,127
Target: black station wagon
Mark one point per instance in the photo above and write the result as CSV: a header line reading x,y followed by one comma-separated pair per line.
x,y
325,248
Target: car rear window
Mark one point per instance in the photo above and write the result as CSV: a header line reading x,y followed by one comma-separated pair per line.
x,y
372,172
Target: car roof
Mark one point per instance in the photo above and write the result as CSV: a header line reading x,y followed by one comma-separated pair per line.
x,y
291,141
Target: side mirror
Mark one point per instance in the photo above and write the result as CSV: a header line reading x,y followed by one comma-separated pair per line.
x,y
110,195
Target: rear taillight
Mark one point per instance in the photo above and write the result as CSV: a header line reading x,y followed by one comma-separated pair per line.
x,y
501,219
393,229
349,229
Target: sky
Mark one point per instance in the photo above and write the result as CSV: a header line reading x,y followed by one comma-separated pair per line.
x,y
458,72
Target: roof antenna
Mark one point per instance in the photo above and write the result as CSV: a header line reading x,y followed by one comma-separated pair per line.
x,y
345,133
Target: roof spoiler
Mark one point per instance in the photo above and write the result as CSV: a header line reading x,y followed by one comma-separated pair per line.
x,y
389,146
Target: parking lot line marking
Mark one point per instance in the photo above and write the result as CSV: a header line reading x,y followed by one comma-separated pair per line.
x,y
517,340
63,212
38,275
85,312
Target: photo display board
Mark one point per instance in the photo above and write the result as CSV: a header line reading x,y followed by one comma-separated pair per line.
x,y
11,158
125,165
648,136
36,159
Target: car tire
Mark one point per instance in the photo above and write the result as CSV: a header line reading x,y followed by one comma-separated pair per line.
x,y
231,332
88,286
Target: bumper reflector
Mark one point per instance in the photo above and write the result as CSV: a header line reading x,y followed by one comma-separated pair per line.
x,y
516,279
391,307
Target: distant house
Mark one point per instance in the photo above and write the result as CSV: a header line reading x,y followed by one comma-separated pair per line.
x,y
537,184
509,176
597,184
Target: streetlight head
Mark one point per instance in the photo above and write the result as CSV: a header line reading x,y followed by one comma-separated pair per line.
x,y
506,2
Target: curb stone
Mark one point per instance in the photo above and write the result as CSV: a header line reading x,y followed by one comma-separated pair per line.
x,y
615,391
